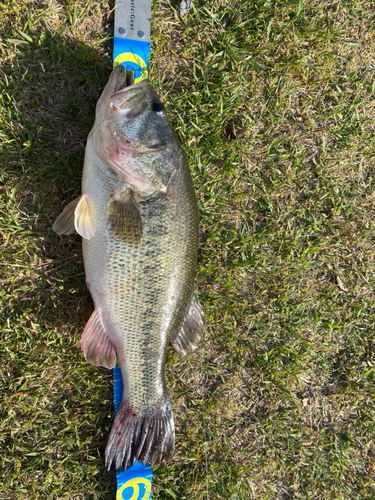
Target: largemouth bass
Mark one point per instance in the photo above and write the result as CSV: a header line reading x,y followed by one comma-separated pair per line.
x,y
138,217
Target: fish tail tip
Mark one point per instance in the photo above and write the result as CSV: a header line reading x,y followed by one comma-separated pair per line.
x,y
146,436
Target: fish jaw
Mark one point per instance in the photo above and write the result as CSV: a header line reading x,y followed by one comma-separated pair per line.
x,y
118,161
132,122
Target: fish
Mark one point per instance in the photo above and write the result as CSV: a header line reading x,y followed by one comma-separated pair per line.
x,y
139,222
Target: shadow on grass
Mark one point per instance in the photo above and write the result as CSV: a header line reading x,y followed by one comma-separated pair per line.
x,y
57,409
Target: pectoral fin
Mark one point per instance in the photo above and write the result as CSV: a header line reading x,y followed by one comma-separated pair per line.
x,y
83,218
191,331
124,217
95,344
64,224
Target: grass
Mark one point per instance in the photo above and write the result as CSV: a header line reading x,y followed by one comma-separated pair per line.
x,y
274,104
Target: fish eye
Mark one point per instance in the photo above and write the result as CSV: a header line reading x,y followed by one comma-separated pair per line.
x,y
158,107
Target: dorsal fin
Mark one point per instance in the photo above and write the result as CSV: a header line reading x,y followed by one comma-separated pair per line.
x,y
191,331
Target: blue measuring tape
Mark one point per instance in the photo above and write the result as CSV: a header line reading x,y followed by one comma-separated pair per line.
x,y
134,483
131,48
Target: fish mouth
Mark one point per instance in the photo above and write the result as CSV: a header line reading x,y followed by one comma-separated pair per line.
x,y
119,81
125,80
129,97
126,98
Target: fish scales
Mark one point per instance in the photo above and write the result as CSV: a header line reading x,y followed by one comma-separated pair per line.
x,y
138,217
147,286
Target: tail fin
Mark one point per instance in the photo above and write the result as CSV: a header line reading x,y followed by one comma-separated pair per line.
x,y
146,436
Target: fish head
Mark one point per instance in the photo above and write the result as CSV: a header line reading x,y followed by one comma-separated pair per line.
x,y
133,114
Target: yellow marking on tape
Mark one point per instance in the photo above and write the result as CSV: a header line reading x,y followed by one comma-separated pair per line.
x,y
134,483
133,58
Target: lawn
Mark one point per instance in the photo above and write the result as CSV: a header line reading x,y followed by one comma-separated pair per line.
x,y
274,102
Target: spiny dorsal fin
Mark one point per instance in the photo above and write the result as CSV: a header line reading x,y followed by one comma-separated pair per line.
x,y
124,217
83,218
64,224
95,344
191,331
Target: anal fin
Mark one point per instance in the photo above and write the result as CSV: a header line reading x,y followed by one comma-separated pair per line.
x,y
191,331
95,344
64,224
